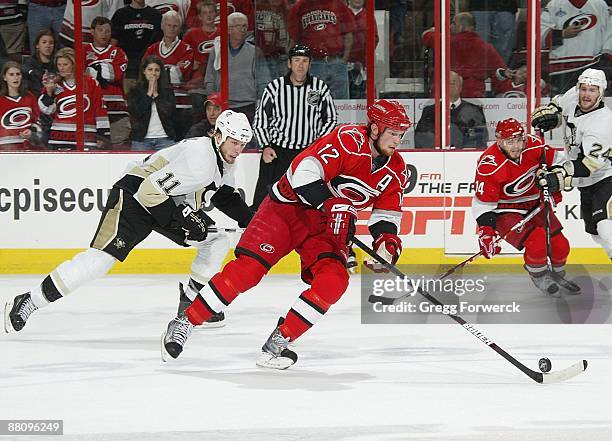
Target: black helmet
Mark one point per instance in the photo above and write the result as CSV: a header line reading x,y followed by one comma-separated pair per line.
x,y
299,50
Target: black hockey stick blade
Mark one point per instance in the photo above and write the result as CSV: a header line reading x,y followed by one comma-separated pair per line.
x,y
381,299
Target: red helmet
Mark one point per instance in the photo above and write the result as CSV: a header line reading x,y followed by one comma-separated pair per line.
x,y
391,114
509,128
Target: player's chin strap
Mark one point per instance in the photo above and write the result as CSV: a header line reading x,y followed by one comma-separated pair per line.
x,y
539,377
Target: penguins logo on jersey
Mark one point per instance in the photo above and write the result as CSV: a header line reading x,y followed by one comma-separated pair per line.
x,y
585,21
357,191
66,107
17,118
521,184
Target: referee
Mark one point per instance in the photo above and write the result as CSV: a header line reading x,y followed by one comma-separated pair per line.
x,y
295,110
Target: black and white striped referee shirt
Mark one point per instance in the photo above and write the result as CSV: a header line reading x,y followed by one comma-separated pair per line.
x,y
292,117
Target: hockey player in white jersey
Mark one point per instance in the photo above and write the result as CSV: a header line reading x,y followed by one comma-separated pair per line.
x,y
588,143
164,193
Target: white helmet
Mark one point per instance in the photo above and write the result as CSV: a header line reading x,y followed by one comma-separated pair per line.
x,y
235,125
593,77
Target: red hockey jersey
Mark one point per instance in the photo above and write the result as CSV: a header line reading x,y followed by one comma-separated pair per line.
x,y
503,185
16,115
178,59
343,160
113,64
63,112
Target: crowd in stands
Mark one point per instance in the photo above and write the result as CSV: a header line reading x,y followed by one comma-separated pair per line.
x,y
152,65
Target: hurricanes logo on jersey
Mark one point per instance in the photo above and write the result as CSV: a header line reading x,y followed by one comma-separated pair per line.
x,y
357,191
17,118
166,7
585,21
66,107
521,184
90,2
206,46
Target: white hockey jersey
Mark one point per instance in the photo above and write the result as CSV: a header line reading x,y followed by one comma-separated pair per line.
x,y
90,9
588,138
583,50
190,171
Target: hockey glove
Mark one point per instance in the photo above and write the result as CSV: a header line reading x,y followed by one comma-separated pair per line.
x,y
340,220
389,247
487,239
546,117
556,178
194,223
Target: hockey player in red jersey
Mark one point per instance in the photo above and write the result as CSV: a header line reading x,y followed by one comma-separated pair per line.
x,y
506,192
312,210
107,65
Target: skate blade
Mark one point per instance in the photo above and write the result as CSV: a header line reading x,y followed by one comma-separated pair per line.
x,y
8,326
165,356
206,326
266,360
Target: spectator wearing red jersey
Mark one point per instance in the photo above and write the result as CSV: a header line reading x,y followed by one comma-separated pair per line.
x,y
326,27
201,39
244,6
107,64
517,86
60,102
471,57
18,110
357,59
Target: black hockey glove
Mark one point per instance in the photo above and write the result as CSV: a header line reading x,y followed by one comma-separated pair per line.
x,y
546,117
194,223
556,178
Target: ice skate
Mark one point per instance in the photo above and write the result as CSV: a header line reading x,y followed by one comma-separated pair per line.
x,y
274,352
174,338
566,286
216,321
17,311
546,284
351,263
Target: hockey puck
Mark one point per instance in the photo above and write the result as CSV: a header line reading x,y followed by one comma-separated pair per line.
x,y
545,365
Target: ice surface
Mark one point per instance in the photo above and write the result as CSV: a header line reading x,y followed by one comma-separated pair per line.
x,y
92,359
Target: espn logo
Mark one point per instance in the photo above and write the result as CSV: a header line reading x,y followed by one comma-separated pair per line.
x,y
420,211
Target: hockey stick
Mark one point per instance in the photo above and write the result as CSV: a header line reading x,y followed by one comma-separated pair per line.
x,y
214,229
539,377
392,300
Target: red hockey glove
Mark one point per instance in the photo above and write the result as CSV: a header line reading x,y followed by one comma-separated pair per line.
x,y
487,240
340,220
389,247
